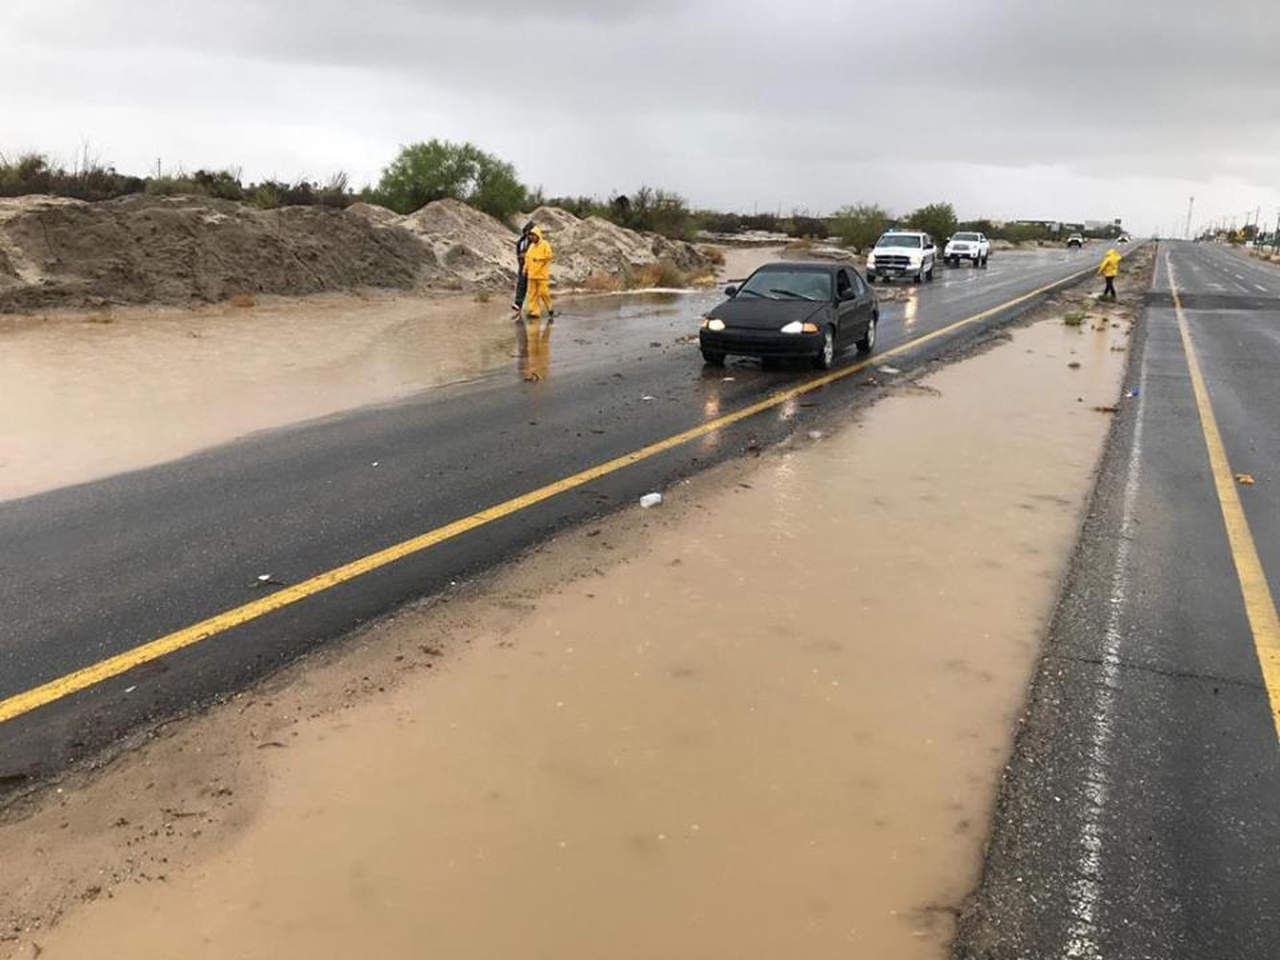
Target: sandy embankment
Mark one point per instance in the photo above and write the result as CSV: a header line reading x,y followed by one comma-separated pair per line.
x,y
765,719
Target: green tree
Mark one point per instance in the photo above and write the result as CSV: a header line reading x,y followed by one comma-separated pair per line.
x,y
936,219
423,172
859,226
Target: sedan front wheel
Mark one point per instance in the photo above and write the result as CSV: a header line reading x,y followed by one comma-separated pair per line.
x,y
827,355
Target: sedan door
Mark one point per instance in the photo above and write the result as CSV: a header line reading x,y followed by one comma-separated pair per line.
x,y
848,306
866,305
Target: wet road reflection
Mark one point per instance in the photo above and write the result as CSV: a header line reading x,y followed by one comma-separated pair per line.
x,y
533,348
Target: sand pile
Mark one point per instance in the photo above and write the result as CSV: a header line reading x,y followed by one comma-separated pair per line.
x,y
595,245
142,249
472,246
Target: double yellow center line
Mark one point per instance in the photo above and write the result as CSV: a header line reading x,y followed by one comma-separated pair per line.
x,y
113,666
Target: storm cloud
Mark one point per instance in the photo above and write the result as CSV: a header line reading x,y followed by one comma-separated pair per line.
x,y
1082,110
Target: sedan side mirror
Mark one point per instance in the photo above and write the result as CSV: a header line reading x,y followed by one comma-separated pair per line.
x,y
730,290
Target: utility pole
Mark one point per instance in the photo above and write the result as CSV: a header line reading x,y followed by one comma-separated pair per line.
x,y
1187,232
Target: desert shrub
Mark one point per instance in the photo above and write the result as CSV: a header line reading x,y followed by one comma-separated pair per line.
x,y
713,254
646,209
423,172
860,225
663,273
85,179
936,219
599,281
265,196
805,226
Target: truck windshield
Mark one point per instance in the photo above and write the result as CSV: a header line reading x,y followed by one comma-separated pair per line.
x,y
898,240
965,236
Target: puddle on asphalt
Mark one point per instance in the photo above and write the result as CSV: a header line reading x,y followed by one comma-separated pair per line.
x,y
83,398
771,729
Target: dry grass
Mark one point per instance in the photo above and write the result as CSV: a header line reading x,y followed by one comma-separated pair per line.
x,y
714,254
600,282
1074,319
483,296
664,273
243,300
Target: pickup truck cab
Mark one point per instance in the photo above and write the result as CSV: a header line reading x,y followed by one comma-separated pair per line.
x,y
1075,240
902,253
967,245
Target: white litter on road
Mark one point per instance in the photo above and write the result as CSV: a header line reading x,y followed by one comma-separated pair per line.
x,y
888,369
650,500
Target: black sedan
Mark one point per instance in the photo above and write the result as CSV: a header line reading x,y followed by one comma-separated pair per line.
x,y
791,309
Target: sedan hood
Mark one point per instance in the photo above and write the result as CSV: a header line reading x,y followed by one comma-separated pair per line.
x,y
754,313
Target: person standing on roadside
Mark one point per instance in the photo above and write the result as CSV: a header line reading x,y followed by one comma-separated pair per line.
x,y
537,267
1108,269
522,280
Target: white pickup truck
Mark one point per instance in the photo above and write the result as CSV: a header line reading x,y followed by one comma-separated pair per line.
x,y
902,253
974,247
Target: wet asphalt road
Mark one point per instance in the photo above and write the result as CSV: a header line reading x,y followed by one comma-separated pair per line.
x,y
95,569
1140,815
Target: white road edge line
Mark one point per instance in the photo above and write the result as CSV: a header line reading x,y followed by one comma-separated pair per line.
x,y
1085,893
1262,288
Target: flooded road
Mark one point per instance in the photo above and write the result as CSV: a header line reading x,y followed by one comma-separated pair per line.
x,y
88,395
764,719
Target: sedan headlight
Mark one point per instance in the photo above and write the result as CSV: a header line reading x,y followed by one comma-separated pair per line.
x,y
795,326
714,324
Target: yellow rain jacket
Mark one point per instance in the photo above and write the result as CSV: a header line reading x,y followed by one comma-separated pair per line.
x,y
1110,265
537,259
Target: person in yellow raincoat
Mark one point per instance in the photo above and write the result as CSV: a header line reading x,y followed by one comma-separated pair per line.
x,y
537,267
1109,267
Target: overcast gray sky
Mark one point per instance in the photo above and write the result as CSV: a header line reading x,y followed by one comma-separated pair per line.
x,y
1020,108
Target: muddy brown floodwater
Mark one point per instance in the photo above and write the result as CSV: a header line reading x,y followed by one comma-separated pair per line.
x,y
91,394
765,719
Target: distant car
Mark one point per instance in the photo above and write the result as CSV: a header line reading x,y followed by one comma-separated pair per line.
x,y
1075,240
793,309
902,253
973,247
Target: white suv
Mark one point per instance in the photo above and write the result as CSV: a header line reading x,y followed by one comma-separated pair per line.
x,y
967,246
902,253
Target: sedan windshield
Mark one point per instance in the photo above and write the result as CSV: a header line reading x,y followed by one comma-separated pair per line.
x,y
899,240
788,285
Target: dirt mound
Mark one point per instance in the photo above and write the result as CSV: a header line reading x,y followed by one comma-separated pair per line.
x,y
471,244
595,245
553,219
142,249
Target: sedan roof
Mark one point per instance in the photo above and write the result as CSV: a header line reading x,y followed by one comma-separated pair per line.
x,y
829,266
